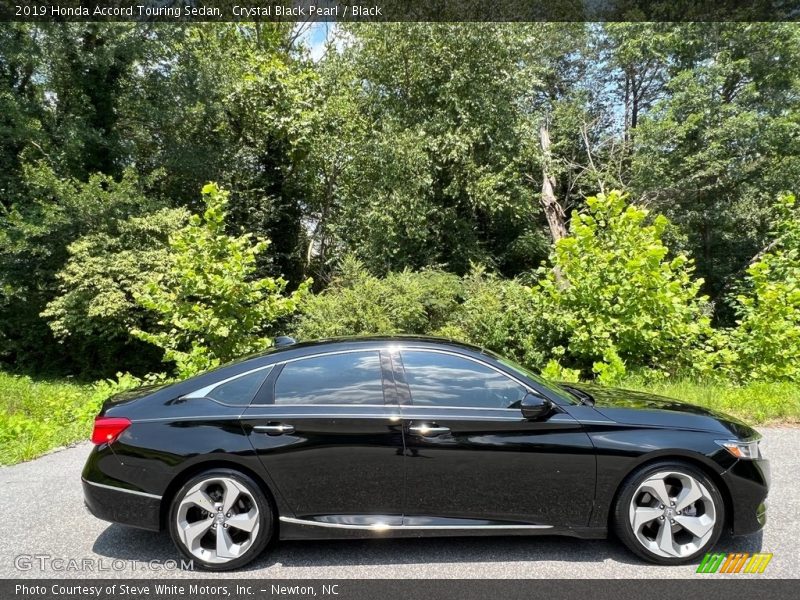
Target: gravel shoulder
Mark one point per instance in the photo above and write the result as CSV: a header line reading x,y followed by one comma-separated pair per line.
x,y
49,519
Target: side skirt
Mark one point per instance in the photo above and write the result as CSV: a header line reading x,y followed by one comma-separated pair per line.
x,y
308,529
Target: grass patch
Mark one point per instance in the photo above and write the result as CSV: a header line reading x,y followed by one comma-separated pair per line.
x,y
39,415
754,403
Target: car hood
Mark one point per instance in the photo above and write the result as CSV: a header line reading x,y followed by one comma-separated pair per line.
x,y
640,408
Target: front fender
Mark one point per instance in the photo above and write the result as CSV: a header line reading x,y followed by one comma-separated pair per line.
x,y
623,450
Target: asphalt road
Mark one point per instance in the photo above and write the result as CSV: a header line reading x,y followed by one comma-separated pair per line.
x,y
44,515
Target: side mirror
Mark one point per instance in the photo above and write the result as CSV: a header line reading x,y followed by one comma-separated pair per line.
x,y
535,407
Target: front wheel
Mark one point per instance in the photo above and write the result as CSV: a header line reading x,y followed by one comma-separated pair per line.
x,y
669,513
220,520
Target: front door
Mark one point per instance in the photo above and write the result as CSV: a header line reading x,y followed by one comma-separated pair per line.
x,y
329,441
473,460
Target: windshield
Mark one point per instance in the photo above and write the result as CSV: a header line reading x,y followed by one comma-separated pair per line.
x,y
525,372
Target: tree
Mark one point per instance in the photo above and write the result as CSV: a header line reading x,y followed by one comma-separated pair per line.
x,y
95,309
721,143
20,105
430,177
767,340
34,236
620,299
210,306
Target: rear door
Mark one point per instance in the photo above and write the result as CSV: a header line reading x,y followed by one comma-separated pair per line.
x,y
328,432
473,460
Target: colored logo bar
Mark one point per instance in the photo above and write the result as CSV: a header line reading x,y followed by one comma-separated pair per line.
x,y
735,562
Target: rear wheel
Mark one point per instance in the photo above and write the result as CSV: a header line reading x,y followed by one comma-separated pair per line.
x,y
669,513
221,520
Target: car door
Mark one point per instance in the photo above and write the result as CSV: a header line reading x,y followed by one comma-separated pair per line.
x,y
327,430
473,459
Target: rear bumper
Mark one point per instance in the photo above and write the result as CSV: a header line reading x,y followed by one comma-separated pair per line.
x,y
748,482
123,506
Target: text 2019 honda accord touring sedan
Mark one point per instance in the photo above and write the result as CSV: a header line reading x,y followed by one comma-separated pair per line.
x,y
403,436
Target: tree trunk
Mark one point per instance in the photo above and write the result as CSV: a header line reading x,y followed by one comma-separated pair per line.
x,y
556,218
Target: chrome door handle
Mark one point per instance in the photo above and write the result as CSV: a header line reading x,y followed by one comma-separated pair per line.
x,y
274,429
429,429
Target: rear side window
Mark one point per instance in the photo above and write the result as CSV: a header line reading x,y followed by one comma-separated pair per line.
x,y
437,379
239,391
348,378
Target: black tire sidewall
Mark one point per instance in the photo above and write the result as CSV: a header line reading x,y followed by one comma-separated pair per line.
x,y
624,530
265,511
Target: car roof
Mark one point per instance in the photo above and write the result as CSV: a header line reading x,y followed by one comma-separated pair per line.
x,y
299,349
347,342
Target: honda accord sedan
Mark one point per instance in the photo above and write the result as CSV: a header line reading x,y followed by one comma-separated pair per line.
x,y
406,436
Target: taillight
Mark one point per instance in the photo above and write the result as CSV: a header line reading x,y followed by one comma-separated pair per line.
x,y
107,429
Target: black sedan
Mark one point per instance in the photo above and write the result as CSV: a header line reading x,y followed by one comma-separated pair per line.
x,y
402,436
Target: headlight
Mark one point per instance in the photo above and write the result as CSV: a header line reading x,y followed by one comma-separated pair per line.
x,y
746,450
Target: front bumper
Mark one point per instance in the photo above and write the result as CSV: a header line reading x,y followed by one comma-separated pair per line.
x,y
748,482
123,506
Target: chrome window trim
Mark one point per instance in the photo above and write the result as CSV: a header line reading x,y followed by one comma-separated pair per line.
x,y
375,416
205,391
328,353
188,418
333,405
202,392
378,527
119,489
283,415
427,406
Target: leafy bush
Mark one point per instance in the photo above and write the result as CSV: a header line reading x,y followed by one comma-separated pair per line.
x,y
501,315
614,297
96,305
34,236
480,308
766,343
211,308
39,415
357,303
36,416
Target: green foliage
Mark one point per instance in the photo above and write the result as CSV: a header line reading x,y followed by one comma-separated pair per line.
x,y
34,236
416,148
501,315
36,416
105,270
211,309
357,303
755,402
95,308
615,297
719,144
39,415
766,343
421,169
554,371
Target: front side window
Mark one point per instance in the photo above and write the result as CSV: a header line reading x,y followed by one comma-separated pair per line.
x,y
348,378
437,379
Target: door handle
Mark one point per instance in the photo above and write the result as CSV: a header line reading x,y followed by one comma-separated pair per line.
x,y
428,429
279,429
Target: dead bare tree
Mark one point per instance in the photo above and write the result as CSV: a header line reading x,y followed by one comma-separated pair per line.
x,y
553,211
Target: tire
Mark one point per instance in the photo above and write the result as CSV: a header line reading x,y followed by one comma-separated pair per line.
x,y
668,513
220,520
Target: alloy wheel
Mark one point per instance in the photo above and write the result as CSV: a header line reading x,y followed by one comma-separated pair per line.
x,y
672,514
218,520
